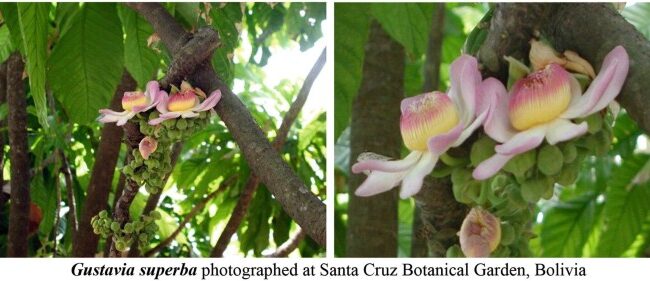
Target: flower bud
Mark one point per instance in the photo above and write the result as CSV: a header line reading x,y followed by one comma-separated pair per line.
x,y
147,146
480,233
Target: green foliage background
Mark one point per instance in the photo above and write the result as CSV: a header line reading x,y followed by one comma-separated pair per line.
x,y
605,213
77,52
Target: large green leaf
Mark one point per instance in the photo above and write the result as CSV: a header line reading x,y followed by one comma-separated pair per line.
x,y
225,20
639,15
86,64
140,60
6,48
626,207
33,20
407,23
567,225
10,17
350,36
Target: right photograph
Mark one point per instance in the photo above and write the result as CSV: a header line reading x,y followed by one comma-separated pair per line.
x,y
492,130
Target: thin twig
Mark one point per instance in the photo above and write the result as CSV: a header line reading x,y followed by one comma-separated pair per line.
x,y
195,211
288,246
57,219
67,175
239,212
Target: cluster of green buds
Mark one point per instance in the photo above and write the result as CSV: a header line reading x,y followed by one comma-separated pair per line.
x,y
142,230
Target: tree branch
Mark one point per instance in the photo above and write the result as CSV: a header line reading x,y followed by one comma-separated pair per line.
x,y
288,246
17,120
67,175
296,199
101,178
239,212
195,211
3,140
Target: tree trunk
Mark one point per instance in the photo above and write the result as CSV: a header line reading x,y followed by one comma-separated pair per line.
x,y
372,221
17,120
101,178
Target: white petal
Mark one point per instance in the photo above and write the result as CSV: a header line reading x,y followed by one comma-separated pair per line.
x,y
523,141
562,130
378,182
412,182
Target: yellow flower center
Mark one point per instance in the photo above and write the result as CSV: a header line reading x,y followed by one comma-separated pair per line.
x,y
182,101
539,98
429,115
133,99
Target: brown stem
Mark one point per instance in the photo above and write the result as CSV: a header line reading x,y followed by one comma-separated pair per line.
x,y
102,174
288,246
372,221
292,194
17,120
3,140
239,212
195,211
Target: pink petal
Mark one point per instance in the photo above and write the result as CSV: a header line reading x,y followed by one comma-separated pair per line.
x,y
413,180
378,182
163,117
491,166
110,116
522,141
147,146
497,123
441,143
163,99
562,130
605,87
465,80
471,128
386,165
211,101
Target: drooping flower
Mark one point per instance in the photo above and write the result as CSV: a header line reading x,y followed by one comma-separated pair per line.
x,y
134,103
185,103
147,146
480,233
430,124
543,105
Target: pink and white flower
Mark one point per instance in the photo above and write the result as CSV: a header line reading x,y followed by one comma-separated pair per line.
x,y
133,103
430,124
185,103
147,146
543,105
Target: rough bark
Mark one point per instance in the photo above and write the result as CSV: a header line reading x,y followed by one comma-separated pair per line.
x,y
432,62
441,215
284,184
372,221
101,177
19,155
239,212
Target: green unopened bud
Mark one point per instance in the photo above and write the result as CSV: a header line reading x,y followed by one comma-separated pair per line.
x,y
181,124
153,115
115,226
120,246
550,160
103,214
521,163
143,237
454,252
128,228
569,173
595,122
155,215
507,234
533,189
570,152
482,149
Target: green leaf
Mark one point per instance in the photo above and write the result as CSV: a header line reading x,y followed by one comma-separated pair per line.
x,y
639,16
626,207
225,20
140,60
10,17
6,48
407,23
86,64
350,35
34,21
567,225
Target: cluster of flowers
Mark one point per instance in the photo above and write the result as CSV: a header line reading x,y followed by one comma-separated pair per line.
x,y
547,103
163,119
142,230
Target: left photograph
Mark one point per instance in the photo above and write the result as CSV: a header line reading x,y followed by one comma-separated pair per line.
x,y
162,129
